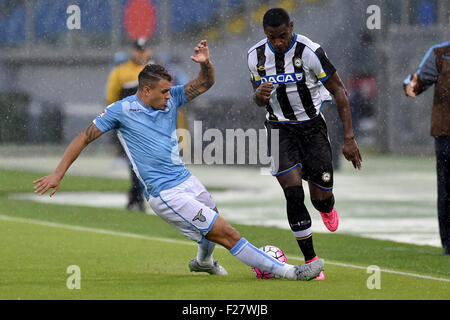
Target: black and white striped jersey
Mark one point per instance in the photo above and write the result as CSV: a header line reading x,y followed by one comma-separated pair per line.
x,y
297,75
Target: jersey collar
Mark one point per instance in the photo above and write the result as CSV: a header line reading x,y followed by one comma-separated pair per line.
x,y
290,47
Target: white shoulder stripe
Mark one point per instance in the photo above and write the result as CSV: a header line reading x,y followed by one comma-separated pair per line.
x,y
308,43
263,41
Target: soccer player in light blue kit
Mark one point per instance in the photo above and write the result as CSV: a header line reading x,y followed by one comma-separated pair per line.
x,y
146,127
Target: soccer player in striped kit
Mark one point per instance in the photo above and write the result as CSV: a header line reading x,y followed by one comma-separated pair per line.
x,y
293,78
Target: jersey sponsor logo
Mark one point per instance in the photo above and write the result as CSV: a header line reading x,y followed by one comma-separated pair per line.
x,y
282,78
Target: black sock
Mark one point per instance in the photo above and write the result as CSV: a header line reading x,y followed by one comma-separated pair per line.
x,y
306,246
299,220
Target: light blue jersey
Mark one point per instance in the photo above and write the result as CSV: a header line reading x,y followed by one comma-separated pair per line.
x,y
149,139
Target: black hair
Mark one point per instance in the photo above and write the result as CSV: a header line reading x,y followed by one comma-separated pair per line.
x,y
276,17
151,74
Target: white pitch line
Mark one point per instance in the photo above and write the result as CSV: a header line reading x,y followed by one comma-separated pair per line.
x,y
408,274
137,236
93,230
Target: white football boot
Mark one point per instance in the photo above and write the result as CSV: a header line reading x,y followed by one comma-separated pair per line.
x,y
215,268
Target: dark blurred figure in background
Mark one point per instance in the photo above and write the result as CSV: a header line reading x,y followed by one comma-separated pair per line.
x,y
362,89
435,69
123,82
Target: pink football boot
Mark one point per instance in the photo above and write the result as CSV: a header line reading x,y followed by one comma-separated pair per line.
x,y
330,220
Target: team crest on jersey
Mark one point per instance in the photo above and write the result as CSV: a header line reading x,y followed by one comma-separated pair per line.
x,y
283,78
326,177
260,68
298,62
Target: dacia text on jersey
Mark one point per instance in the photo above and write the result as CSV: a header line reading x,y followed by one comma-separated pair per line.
x,y
282,78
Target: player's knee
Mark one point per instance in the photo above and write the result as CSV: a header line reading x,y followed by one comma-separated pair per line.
x,y
231,234
325,205
298,215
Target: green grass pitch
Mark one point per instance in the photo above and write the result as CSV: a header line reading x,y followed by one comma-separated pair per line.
x,y
127,255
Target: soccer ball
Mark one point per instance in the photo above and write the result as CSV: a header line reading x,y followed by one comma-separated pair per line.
x,y
274,252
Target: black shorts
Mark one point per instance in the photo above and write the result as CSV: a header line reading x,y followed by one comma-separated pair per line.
x,y
305,145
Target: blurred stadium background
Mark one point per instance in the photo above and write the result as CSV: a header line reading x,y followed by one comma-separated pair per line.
x,y
55,78
52,79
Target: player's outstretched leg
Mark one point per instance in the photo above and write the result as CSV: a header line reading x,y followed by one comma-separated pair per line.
x,y
224,234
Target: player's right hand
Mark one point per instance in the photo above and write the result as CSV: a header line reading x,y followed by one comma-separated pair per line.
x,y
45,183
351,152
410,87
262,93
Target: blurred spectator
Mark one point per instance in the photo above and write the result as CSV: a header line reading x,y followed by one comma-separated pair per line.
x,y
123,79
172,64
119,58
362,93
435,69
123,82
180,77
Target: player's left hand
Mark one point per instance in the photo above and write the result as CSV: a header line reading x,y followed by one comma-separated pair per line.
x,y
201,52
351,152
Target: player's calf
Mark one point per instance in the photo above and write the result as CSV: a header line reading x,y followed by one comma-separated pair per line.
x,y
299,220
325,205
223,233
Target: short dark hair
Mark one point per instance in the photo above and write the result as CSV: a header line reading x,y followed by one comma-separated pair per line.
x,y
276,17
151,74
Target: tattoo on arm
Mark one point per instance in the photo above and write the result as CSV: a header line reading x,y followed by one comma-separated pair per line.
x,y
202,83
192,90
92,132
206,70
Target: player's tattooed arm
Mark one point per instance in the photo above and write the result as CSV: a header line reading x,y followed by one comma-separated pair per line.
x,y
206,77
202,83
52,181
92,133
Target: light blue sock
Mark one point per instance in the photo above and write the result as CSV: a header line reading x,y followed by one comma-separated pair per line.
x,y
253,257
205,251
